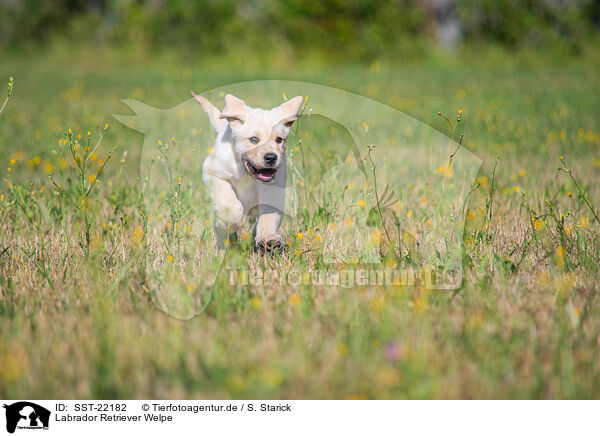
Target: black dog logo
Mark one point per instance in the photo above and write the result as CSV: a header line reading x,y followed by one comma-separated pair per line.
x,y
30,416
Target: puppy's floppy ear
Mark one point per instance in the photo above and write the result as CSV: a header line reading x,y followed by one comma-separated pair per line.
x,y
289,110
212,112
234,109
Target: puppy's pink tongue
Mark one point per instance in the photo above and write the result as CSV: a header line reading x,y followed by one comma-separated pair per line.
x,y
265,174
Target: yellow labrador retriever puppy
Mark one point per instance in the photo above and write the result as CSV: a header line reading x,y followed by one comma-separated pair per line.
x,y
247,167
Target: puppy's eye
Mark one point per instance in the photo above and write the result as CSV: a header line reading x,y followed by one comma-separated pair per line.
x,y
279,140
254,140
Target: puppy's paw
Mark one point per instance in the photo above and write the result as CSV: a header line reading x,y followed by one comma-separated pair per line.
x,y
270,244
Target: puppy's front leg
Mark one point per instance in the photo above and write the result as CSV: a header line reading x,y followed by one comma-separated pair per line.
x,y
228,210
267,238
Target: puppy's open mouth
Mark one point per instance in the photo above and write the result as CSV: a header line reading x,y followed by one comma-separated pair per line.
x,y
260,174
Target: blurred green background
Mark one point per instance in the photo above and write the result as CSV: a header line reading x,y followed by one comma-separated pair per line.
x,y
333,29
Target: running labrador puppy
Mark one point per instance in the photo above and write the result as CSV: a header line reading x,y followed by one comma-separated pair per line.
x,y
247,167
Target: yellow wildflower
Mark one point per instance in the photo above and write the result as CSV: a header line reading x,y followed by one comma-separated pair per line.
x,y
388,376
341,348
568,230
295,299
420,304
138,233
234,383
559,257
375,236
272,377
584,222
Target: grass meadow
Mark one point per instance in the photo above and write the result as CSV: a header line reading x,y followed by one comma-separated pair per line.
x,y
78,317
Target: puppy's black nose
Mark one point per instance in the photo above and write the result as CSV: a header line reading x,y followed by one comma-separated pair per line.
x,y
270,158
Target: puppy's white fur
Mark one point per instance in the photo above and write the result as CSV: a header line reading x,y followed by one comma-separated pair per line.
x,y
247,166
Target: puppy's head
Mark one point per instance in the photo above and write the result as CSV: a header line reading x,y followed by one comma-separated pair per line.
x,y
259,134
